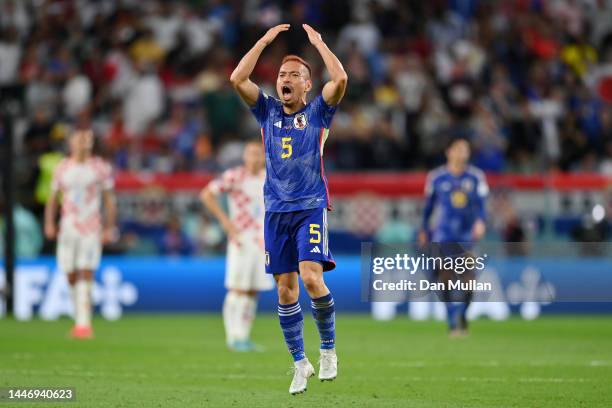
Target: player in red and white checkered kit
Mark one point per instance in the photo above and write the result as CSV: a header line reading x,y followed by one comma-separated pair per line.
x,y
82,181
245,273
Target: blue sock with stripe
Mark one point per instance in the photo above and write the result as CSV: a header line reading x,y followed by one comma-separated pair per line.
x,y
292,324
324,315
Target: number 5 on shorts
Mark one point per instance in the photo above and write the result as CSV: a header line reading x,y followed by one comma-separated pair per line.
x,y
315,234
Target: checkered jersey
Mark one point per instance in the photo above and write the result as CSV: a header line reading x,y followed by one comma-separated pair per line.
x,y
245,198
81,185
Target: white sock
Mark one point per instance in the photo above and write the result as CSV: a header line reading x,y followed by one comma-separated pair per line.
x,y
89,311
82,304
302,363
77,311
230,306
247,307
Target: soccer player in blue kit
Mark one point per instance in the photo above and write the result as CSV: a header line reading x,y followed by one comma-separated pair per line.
x,y
296,196
458,192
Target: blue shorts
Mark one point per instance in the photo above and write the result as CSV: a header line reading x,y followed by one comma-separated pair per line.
x,y
292,237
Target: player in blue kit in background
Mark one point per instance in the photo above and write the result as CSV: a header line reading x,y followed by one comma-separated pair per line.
x,y
458,192
295,192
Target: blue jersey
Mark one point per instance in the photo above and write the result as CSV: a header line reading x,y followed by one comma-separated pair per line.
x,y
295,178
458,200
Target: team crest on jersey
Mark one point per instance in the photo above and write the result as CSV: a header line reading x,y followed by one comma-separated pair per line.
x,y
299,122
467,185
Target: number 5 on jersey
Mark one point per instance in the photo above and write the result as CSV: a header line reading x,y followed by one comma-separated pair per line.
x,y
287,148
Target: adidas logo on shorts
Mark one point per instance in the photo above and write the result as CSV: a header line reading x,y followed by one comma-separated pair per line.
x,y
315,250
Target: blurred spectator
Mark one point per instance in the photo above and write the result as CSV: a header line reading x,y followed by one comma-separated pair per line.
x,y
593,232
13,14
204,159
77,92
579,55
488,142
37,136
508,224
528,82
174,241
507,74
207,235
28,234
165,24
10,55
361,32
547,108
146,51
144,101
41,93
224,108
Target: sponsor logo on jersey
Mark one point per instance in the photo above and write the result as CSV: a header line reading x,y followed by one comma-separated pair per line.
x,y
315,250
300,122
278,124
267,258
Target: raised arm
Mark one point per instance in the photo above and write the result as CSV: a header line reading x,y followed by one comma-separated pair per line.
x,y
247,89
333,90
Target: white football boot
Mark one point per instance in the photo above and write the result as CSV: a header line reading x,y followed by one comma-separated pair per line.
x,y
328,365
301,372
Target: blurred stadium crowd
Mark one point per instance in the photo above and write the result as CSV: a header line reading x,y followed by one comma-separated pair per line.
x,y
529,82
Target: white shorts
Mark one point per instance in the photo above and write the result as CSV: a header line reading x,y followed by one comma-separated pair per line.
x,y
246,268
75,253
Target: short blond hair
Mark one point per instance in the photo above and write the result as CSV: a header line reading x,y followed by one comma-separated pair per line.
x,y
296,58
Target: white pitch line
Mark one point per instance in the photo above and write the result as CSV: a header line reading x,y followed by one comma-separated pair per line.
x,y
556,380
258,377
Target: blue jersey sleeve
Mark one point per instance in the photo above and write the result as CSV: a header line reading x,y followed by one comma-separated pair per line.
x,y
262,107
323,111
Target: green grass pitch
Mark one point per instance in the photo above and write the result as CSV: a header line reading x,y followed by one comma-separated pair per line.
x,y
181,361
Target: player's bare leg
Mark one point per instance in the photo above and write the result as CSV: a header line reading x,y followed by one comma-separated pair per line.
x,y
250,310
239,308
292,324
81,283
230,314
323,312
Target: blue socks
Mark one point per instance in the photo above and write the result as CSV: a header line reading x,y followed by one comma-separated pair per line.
x,y
451,314
292,324
324,315
454,312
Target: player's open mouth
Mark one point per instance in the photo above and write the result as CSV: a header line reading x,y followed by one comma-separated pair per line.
x,y
286,91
